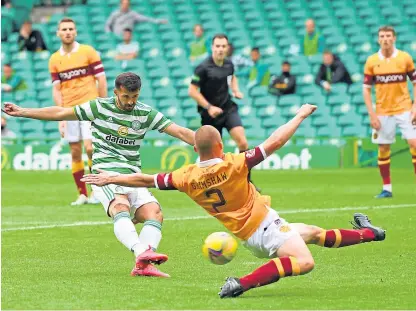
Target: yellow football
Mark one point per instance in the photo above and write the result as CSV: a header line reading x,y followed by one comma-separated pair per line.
x,y
219,248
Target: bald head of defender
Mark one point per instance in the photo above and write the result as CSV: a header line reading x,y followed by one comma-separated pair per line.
x,y
208,143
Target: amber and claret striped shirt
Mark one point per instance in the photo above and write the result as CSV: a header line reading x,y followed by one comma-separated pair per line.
x,y
389,75
76,72
221,187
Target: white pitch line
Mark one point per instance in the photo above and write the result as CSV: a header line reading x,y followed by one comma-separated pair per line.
x,y
294,211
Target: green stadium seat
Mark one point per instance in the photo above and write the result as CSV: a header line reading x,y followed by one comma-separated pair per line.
x,y
258,91
332,130
339,88
27,103
349,118
357,100
194,123
273,121
289,111
316,99
289,100
307,90
13,125
355,131
338,99
255,133
266,111
362,109
49,127
32,126
263,101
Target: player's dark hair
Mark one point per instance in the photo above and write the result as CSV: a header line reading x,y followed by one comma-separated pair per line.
x,y
66,20
256,49
286,63
387,29
128,30
328,52
129,80
219,36
8,65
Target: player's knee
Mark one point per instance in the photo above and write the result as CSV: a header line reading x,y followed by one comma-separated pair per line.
x,y
242,143
119,208
151,211
88,150
158,215
76,154
315,232
384,148
306,264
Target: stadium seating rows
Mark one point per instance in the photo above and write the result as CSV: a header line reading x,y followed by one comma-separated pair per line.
x,y
349,27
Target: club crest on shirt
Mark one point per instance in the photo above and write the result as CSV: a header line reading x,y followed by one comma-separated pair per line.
x,y
375,135
135,125
250,153
284,228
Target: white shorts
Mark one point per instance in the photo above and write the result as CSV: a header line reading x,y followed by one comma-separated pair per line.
x,y
387,133
272,233
136,196
77,131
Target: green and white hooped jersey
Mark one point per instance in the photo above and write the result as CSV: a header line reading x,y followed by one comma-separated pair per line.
x,y
117,134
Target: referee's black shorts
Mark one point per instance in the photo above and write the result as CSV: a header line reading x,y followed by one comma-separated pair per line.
x,y
229,119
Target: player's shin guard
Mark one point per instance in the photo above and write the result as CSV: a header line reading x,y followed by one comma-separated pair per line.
x,y
78,173
126,233
271,272
151,233
384,166
413,153
342,237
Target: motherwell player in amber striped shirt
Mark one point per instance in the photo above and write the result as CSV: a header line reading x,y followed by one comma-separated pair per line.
x,y
75,68
388,70
219,184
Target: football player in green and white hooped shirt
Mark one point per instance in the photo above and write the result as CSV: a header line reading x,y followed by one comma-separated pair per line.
x,y
119,125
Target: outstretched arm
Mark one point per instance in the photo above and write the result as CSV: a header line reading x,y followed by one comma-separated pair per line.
x,y
286,131
278,138
182,133
128,180
48,113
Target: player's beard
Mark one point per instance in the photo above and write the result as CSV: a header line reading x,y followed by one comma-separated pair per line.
x,y
122,106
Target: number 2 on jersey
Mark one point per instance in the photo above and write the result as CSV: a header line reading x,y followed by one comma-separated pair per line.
x,y
221,198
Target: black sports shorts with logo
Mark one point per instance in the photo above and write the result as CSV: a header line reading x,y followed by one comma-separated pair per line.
x,y
229,119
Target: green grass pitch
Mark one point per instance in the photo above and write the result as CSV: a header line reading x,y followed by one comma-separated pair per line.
x,y
55,256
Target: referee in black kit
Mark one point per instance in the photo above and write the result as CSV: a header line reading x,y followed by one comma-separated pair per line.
x,y
214,101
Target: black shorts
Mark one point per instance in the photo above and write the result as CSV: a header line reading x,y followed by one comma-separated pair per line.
x,y
229,119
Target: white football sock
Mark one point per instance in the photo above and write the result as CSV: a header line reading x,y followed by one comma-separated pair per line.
x,y
387,187
151,233
126,233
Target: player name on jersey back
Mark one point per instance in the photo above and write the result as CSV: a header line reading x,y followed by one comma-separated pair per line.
x,y
213,180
